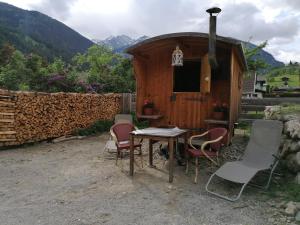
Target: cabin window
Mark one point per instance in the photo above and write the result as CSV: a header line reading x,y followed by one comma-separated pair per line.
x,y
186,78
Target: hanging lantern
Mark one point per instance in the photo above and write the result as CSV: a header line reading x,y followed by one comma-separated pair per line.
x,y
177,57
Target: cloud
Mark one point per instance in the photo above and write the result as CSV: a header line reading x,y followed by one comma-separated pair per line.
x,y
245,21
59,9
295,4
275,21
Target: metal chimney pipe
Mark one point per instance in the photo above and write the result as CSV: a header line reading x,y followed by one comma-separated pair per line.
x,y
212,36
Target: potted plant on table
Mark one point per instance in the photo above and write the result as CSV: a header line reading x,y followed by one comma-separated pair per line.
x,y
148,107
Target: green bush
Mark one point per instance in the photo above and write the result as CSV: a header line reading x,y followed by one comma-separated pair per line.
x,y
97,127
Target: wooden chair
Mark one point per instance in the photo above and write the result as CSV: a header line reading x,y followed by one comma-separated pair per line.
x,y
121,134
208,149
110,145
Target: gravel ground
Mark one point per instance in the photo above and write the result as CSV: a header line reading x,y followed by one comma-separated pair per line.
x,y
77,183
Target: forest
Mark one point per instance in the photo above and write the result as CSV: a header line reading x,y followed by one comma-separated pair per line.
x,y
98,70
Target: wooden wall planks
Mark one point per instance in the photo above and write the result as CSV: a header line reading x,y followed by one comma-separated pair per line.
x,y
154,76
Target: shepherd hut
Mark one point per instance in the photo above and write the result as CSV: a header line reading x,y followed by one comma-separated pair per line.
x,y
189,80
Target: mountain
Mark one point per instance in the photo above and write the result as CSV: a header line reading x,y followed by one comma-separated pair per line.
x,y
269,59
31,31
121,42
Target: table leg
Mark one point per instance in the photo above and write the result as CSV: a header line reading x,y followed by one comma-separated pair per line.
x,y
150,153
185,145
131,154
171,159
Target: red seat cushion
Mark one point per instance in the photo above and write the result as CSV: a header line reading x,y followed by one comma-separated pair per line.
x,y
126,145
198,153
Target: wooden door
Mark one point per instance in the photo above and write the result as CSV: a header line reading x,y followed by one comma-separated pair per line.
x,y
189,109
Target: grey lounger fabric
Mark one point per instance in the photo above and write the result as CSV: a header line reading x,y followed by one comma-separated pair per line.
x,y
261,154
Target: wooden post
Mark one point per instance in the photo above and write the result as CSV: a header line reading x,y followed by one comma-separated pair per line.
x,y
171,159
150,153
185,145
131,154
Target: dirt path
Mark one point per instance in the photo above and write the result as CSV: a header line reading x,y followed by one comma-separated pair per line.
x,y
77,183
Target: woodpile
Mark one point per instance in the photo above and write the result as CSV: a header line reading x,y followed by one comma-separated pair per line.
x,y
35,116
7,119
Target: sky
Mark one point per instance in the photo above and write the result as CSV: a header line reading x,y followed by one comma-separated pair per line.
x,y
277,21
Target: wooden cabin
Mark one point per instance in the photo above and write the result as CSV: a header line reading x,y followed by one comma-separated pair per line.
x,y
185,96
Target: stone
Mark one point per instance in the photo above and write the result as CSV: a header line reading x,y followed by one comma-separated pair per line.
x,y
297,217
292,128
294,146
281,205
297,178
290,146
286,146
291,208
272,112
289,117
293,162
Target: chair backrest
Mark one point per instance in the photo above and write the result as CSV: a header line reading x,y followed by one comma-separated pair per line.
x,y
122,130
123,118
264,142
215,133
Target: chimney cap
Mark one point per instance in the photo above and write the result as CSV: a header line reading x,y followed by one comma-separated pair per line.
x,y
213,10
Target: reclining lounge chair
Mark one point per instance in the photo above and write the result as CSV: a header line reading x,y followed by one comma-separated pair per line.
x,y
261,154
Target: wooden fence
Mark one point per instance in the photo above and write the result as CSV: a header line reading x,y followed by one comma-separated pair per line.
x,y
128,102
256,105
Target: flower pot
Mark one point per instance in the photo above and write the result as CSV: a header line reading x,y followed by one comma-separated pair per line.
x,y
218,115
148,111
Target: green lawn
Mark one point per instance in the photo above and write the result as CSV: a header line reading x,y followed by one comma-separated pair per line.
x,y
277,82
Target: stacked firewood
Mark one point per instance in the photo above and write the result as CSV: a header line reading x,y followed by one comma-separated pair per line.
x,y
7,119
41,116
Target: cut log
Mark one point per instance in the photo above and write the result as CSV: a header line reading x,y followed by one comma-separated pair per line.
x,y
7,113
6,121
7,132
5,103
8,140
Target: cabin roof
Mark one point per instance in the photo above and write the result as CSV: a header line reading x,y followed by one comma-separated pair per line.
x,y
249,83
226,40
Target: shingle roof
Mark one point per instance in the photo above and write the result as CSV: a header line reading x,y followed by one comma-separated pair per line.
x,y
249,83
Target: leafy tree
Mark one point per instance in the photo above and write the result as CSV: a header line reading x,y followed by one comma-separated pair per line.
x,y
254,61
98,70
13,75
58,66
112,72
37,71
6,53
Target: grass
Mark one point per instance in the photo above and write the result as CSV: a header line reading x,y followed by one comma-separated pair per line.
x,y
97,127
277,82
285,189
138,123
288,108
105,125
255,114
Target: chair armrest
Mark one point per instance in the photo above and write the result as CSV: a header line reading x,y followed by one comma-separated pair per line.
x,y
195,136
203,146
210,142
